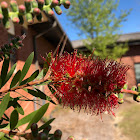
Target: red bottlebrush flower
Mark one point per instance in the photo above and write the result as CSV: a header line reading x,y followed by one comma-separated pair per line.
x,y
87,83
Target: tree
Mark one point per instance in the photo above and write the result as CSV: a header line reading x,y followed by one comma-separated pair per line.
x,y
100,24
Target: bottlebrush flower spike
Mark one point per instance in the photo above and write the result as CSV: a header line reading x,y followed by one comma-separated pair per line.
x,y
87,83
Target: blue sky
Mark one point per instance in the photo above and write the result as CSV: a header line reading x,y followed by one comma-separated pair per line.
x,y
131,25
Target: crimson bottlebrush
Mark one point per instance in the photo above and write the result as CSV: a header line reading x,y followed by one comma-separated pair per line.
x,y
87,83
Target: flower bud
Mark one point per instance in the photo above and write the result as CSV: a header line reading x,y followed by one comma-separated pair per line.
x,y
13,5
134,88
58,10
57,134
54,3
6,23
34,129
40,4
1,16
4,5
21,9
66,4
71,138
47,129
4,8
15,20
48,10
28,5
34,4
29,18
47,2
43,136
36,11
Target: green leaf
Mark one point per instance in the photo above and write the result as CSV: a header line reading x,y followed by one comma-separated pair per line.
x,y
36,93
15,79
40,76
26,66
39,114
46,97
1,135
26,119
19,108
24,82
47,63
4,104
46,124
13,119
40,94
4,70
3,126
10,73
12,101
33,76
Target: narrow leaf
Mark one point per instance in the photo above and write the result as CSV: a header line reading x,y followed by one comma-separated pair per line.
x,y
10,73
1,135
26,66
4,70
15,79
47,63
35,93
24,82
13,119
39,114
26,119
3,125
4,104
19,108
46,124
33,76
40,75
46,97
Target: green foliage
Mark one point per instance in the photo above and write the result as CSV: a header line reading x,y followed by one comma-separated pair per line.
x,y
4,104
97,20
14,119
15,79
26,66
38,115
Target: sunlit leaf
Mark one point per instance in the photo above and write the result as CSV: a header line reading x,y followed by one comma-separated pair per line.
x,y
15,79
4,104
1,135
19,108
40,75
39,114
26,66
26,119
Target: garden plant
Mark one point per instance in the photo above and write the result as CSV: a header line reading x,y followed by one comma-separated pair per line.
x,y
82,83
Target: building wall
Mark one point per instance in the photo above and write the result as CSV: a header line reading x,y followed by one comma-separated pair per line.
x,y
43,47
131,57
